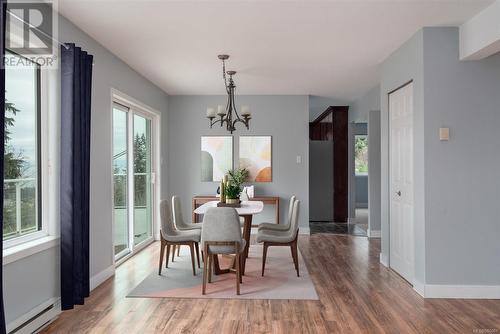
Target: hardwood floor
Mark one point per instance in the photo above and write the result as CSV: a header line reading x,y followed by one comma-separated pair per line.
x,y
357,294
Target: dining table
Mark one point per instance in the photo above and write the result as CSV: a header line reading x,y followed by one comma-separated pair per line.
x,y
246,210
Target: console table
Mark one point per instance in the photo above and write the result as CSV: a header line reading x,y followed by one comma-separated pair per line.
x,y
272,200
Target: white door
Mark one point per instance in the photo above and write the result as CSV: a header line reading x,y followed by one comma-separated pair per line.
x,y
401,181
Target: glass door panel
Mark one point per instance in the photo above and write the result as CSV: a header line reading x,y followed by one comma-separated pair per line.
x,y
142,180
120,182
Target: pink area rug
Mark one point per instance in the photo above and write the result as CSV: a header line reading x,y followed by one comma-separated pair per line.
x,y
280,280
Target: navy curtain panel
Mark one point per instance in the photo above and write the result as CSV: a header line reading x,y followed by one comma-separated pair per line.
x,y
76,79
3,11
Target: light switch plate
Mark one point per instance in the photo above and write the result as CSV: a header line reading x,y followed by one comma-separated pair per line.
x,y
444,134
299,159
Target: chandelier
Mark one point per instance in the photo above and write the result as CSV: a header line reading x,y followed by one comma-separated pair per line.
x,y
228,115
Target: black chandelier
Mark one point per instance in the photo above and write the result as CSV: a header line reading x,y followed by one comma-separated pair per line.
x,y
226,114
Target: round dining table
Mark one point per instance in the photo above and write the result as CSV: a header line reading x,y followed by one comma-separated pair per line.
x,y
246,210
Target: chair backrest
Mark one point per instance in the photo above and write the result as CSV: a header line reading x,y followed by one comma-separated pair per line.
x,y
177,212
290,209
294,222
167,224
221,224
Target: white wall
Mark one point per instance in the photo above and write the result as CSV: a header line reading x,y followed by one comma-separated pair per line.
x,y
285,118
480,36
35,279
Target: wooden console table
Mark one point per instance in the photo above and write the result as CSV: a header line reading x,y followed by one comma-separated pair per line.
x,y
272,200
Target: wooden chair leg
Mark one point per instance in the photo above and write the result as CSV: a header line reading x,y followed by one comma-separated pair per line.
x,y
168,254
210,258
293,246
205,271
241,268
178,250
197,253
162,250
264,255
238,272
191,248
173,252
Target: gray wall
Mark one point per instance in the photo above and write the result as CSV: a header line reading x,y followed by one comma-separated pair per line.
x,y
404,65
374,170
35,279
318,104
358,113
320,180
285,118
462,186
456,187
360,108
361,191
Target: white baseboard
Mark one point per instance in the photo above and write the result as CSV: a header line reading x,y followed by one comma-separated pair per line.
x,y
374,233
304,230
384,260
361,205
41,321
419,287
461,291
98,279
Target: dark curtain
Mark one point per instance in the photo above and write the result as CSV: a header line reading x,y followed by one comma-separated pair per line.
x,y
3,10
76,79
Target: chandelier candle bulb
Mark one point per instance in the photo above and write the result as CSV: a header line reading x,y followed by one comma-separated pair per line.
x,y
210,112
245,111
221,110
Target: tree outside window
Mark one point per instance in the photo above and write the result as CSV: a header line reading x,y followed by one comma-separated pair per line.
x,y
361,154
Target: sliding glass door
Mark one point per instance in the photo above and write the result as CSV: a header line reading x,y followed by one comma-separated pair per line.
x,y
133,194
143,221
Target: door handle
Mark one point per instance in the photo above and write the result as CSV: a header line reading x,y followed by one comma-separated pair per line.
x,y
398,193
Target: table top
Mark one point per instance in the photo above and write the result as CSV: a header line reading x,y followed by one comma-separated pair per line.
x,y
247,207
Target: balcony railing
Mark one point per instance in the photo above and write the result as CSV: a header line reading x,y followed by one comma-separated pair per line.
x,y
20,207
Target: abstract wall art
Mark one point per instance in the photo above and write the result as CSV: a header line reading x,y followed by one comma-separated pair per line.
x,y
216,157
256,156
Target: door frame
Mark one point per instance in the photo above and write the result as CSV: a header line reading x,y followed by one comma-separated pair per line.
x,y
389,193
154,115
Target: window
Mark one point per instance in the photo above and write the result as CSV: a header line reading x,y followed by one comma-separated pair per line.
x,y
22,163
361,154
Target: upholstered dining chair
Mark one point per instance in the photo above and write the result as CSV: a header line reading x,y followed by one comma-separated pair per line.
x,y
170,236
282,238
221,234
181,224
280,227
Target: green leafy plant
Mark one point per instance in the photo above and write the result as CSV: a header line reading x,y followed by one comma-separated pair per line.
x,y
238,176
233,191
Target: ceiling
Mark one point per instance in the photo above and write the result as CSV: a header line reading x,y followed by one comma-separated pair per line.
x,y
326,48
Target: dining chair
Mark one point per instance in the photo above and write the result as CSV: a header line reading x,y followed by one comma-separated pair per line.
x,y
221,234
282,238
280,227
181,224
171,236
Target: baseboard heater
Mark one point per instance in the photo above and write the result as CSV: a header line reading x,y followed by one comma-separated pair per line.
x,y
37,319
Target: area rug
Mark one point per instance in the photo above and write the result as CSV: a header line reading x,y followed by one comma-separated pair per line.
x,y
280,280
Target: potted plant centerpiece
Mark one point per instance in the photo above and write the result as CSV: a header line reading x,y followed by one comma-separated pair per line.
x,y
233,188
